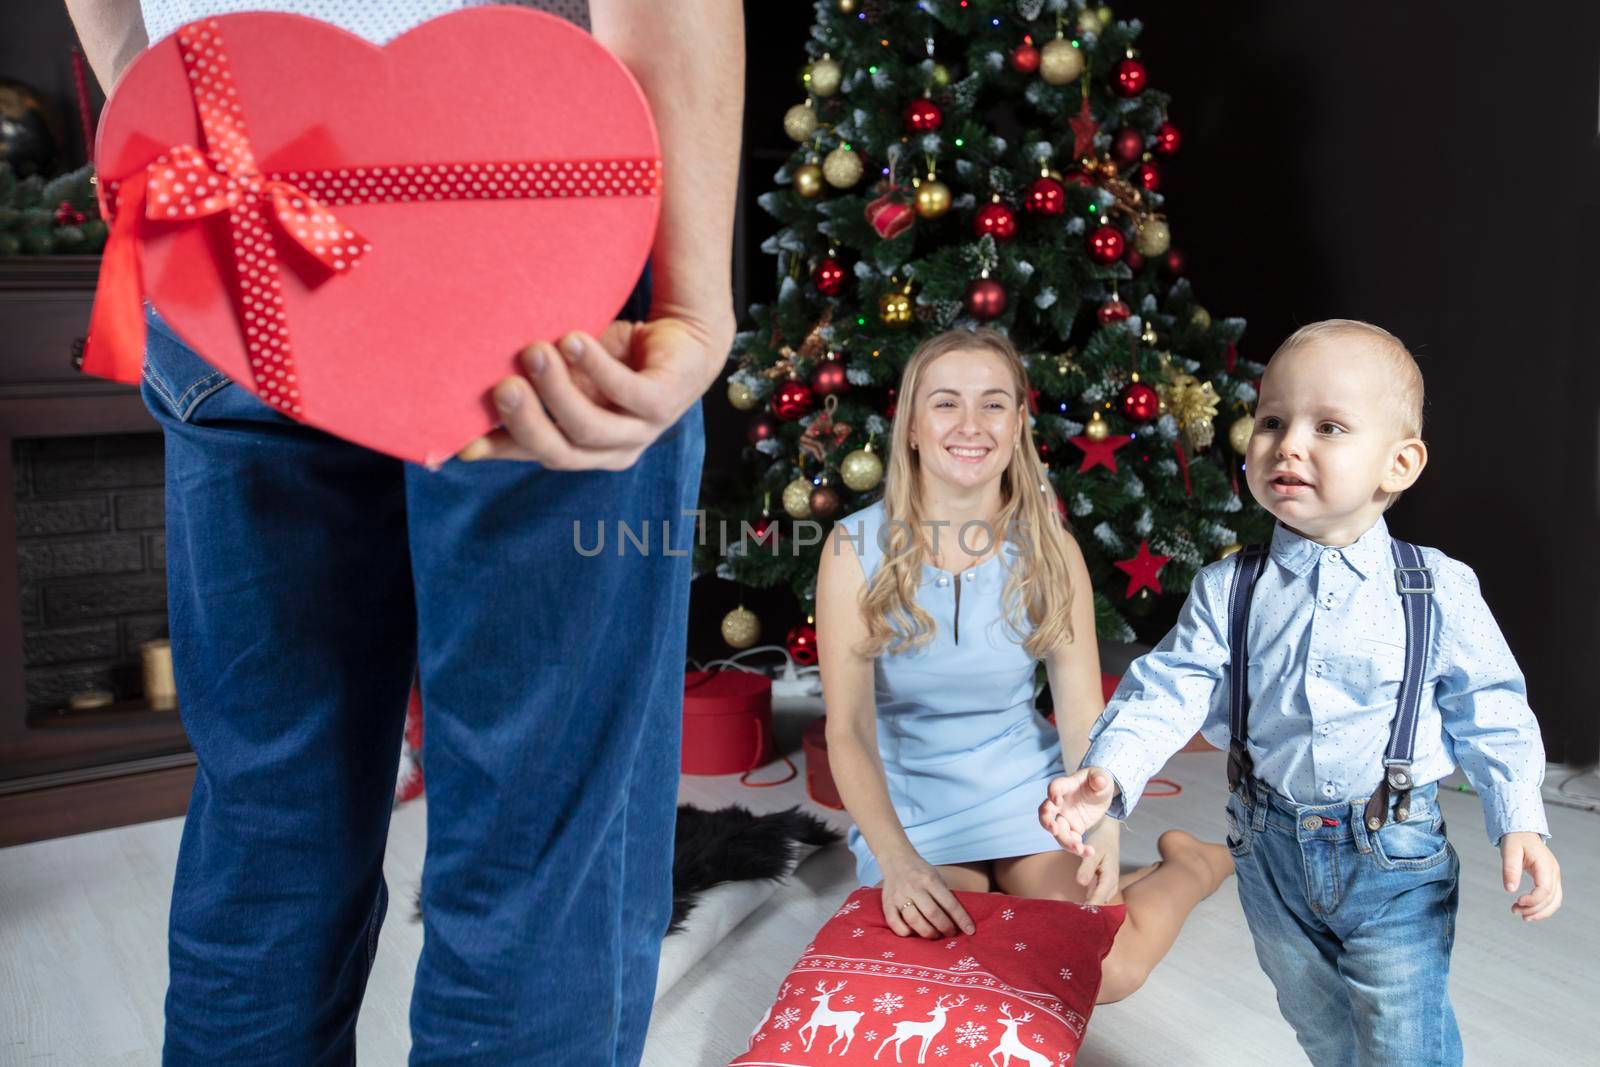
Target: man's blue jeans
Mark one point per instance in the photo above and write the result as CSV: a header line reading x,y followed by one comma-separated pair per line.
x,y
1354,928
308,579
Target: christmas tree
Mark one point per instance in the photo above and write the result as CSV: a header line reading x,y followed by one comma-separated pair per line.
x,y
998,163
55,217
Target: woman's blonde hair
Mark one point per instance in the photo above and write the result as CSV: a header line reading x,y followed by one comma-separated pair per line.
x,y
1039,585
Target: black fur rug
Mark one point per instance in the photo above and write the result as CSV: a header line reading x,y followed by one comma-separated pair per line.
x,y
732,844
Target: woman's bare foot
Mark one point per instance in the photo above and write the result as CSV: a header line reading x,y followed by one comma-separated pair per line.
x,y
1212,862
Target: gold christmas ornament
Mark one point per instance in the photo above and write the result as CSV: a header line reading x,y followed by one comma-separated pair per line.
x,y
1148,334
894,308
1153,238
1088,22
824,76
933,198
808,180
740,627
1239,433
1200,318
741,396
941,75
1059,62
847,7
1103,13
797,498
1097,430
1228,550
800,122
861,469
842,168
1193,404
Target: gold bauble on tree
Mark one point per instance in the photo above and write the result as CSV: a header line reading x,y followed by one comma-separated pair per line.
x,y
741,396
894,308
1104,14
740,627
1200,318
800,122
1153,238
1239,433
824,76
1096,430
797,498
842,168
808,180
1088,22
941,76
847,7
1060,62
861,469
933,198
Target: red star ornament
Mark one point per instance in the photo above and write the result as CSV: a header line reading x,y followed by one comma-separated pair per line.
x,y
1142,570
1102,453
1083,130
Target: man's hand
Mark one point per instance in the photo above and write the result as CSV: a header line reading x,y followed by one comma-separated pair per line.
x,y
1075,803
1525,851
603,401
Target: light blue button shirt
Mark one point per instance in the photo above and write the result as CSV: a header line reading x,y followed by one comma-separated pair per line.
x,y
1327,649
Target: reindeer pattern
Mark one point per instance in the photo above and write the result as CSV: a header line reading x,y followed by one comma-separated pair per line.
x,y
843,1023
926,1030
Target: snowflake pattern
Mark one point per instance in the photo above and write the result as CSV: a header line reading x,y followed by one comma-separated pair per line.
x,y
889,1003
965,963
942,1050
848,998
1008,914
971,1034
1020,946
871,1035
980,1008
922,990
950,943
850,905
786,1046
888,955
858,932
1066,975
785,1018
761,1035
1038,1039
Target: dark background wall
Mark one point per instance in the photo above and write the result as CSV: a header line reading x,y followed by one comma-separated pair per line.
x,y
1431,166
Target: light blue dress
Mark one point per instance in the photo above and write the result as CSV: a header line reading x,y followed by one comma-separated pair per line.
x,y
966,757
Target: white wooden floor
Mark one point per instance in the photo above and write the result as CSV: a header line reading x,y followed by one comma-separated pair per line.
x,y
83,953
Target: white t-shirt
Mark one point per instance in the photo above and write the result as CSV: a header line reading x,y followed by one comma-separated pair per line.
x,y
379,21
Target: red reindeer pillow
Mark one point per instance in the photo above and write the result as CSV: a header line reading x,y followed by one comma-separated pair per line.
x,y
1017,993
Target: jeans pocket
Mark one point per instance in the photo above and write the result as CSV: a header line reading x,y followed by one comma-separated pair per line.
x,y
1237,814
179,380
1414,845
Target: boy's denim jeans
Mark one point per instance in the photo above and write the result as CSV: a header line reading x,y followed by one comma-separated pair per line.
x,y
1354,928
308,579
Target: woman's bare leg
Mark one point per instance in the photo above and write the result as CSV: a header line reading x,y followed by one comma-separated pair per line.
x,y
1158,901
967,877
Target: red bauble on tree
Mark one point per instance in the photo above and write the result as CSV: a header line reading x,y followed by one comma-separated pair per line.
x,y
923,116
765,533
1078,178
1045,196
802,645
1133,259
1147,176
986,299
1127,145
762,428
829,378
1140,403
824,501
1025,58
792,400
828,276
67,215
1168,140
1106,245
890,216
996,220
1174,263
1113,310
1130,78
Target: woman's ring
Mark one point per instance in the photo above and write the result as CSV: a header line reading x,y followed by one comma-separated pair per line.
x,y
908,904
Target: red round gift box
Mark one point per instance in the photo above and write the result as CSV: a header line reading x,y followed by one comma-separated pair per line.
x,y
727,722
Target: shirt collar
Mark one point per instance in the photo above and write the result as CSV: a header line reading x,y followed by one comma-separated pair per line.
x,y
1367,556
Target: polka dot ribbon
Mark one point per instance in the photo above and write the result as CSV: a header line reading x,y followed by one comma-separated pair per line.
x,y
184,184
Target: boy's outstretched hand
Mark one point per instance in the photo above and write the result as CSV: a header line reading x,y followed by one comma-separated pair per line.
x,y
1526,851
1074,805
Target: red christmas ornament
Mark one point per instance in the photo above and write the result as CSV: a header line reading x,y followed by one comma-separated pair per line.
x,y
997,220
824,502
1113,310
888,409
1101,453
1025,58
1147,176
1083,128
1143,570
792,400
67,215
890,216
1045,197
1133,259
923,116
1140,402
766,533
1106,245
802,645
1127,145
1168,140
828,276
762,428
829,378
1079,178
1130,78
1174,263
986,299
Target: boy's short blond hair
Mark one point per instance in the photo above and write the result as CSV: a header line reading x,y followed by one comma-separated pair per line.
x,y
1408,393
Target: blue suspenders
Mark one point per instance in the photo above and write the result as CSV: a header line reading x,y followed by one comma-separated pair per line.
x,y
1414,583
